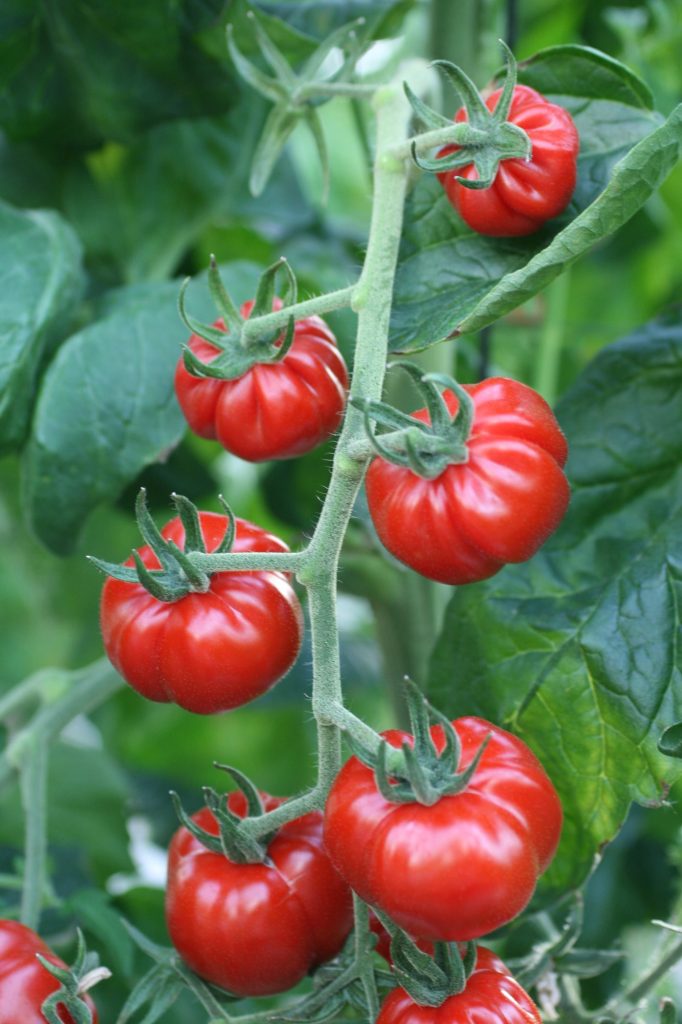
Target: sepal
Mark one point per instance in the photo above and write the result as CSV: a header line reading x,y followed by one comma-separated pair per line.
x,y
178,575
485,139
425,448
74,981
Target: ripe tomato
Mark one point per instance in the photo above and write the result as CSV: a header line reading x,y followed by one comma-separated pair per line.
x,y
275,410
491,996
256,929
500,506
525,193
24,983
462,867
206,652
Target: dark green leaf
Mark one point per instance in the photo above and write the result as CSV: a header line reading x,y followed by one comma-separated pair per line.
x,y
63,69
452,281
576,649
138,209
570,70
40,283
320,17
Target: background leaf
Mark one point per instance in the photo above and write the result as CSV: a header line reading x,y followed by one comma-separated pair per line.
x,y
451,280
576,649
107,407
40,284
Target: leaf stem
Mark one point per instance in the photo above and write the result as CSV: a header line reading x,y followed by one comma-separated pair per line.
x,y
353,90
34,801
316,306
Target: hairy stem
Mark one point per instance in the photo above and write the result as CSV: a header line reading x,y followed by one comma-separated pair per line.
x,y
317,306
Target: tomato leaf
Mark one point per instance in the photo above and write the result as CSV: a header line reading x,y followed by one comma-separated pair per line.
x,y
40,283
452,281
575,650
107,407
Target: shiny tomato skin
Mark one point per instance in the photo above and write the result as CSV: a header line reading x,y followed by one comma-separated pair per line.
x,y
500,506
491,996
256,929
462,867
205,652
525,193
274,410
24,983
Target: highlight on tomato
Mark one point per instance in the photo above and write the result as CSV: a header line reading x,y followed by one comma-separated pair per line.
x,y
207,650
256,928
481,485
463,861
275,409
525,192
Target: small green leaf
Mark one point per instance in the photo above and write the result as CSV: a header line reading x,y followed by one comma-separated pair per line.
x,y
279,125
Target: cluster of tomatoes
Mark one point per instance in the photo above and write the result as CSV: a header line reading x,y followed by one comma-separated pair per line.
x,y
451,870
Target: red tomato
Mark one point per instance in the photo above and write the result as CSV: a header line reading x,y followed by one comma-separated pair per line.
x,y
256,929
500,506
525,193
275,410
491,996
206,652
462,867
24,983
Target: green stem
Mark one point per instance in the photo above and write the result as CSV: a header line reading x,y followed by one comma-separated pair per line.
x,y
353,90
34,800
89,688
29,689
643,986
317,306
238,561
319,569
547,373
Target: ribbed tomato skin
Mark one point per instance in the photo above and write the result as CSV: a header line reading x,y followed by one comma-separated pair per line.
x,y
462,867
499,506
206,652
256,929
274,410
24,983
525,193
491,996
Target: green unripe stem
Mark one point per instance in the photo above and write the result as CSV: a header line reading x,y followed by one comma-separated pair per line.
x,y
318,569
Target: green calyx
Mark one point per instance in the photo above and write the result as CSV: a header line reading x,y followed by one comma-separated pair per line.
x,y
430,980
231,841
485,139
178,576
426,775
425,448
295,95
74,982
241,345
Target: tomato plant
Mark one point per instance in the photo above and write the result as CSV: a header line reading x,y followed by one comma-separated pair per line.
x,y
212,651
220,224
274,410
25,983
525,193
491,996
499,500
256,928
472,858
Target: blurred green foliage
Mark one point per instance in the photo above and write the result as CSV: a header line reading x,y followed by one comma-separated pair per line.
x,y
128,120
